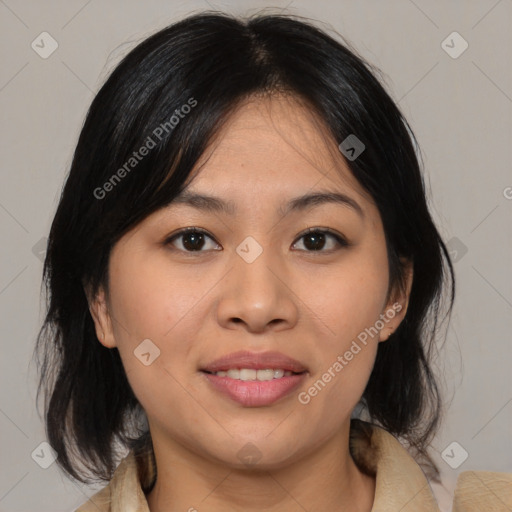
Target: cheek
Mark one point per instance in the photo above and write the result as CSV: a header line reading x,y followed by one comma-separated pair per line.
x,y
150,298
350,297
149,302
351,300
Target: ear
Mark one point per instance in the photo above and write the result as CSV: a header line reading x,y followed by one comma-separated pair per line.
x,y
99,310
397,304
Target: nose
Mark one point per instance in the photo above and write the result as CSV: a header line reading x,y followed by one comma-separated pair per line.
x,y
257,296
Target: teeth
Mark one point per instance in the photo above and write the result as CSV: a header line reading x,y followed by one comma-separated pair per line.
x,y
245,374
234,374
265,374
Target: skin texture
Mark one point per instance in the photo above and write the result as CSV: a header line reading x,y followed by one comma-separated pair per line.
x,y
198,306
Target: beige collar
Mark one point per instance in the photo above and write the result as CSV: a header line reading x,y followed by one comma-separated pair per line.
x,y
400,482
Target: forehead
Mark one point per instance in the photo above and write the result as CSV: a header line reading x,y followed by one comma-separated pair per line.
x,y
272,146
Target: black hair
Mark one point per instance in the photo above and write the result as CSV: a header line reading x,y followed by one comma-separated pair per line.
x,y
210,62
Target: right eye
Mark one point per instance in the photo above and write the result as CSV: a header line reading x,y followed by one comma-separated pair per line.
x,y
190,239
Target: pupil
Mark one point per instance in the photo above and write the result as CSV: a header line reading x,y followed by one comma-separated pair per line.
x,y
311,238
196,241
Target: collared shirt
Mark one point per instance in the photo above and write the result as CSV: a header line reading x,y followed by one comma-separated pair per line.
x,y
400,483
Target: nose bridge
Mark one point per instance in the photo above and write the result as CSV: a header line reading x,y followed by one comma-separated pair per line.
x,y
255,267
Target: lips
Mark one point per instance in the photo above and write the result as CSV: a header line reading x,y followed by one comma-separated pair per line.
x,y
255,393
255,361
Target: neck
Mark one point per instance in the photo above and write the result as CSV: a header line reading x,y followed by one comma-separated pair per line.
x,y
327,479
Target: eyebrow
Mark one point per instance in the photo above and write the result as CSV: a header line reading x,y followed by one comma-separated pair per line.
x,y
297,204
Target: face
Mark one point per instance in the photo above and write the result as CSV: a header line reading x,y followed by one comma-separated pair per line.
x,y
307,280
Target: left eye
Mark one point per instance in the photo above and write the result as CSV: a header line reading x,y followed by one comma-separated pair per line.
x,y
315,240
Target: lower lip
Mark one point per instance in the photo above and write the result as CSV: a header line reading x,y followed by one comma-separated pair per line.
x,y
255,393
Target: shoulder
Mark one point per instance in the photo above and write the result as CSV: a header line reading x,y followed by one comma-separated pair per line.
x,y
125,490
483,490
99,502
400,483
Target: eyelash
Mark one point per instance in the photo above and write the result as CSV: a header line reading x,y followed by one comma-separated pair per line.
x,y
342,242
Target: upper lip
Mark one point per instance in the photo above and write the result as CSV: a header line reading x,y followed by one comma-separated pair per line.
x,y
256,361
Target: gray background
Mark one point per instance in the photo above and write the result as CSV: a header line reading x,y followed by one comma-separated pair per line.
x,y
460,109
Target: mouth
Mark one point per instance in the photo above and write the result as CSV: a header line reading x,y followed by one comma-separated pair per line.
x,y
254,379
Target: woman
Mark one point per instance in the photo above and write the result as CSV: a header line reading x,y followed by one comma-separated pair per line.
x,y
244,282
